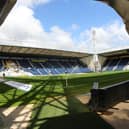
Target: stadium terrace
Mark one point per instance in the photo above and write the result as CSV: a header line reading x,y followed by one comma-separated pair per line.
x,y
19,61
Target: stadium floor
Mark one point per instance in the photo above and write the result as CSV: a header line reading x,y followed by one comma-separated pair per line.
x,y
16,117
117,117
55,106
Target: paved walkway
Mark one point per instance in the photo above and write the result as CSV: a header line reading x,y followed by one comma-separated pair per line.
x,y
118,116
17,117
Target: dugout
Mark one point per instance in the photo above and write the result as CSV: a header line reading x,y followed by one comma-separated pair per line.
x,y
105,98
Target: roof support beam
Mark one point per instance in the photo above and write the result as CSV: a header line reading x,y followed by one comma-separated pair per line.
x,y
5,8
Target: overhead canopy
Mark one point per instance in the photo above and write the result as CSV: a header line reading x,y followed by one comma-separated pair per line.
x,y
116,53
5,8
5,49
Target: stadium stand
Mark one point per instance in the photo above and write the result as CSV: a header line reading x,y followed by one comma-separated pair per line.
x,y
116,64
116,60
16,61
49,66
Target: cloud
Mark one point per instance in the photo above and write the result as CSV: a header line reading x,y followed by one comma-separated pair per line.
x,y
31,3
106,37
61,39
22,28
75,26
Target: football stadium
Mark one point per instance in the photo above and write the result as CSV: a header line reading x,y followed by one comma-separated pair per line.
x,y
61,83
66,89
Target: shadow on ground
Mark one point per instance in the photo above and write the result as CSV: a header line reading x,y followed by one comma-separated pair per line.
x,y
53,109
87,120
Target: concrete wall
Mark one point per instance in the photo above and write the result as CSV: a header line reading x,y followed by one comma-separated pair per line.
x,y
102,60
88,61
94,62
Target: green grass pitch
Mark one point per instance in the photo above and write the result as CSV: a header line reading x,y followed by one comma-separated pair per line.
x,y
55,104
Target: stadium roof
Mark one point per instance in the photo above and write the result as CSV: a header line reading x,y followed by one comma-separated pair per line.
x,y
39,51
5,8
118,53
